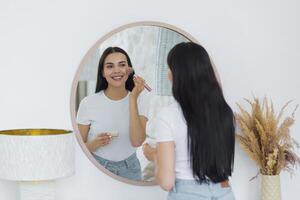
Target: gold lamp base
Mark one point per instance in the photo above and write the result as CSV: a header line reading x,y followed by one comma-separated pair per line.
x,y
34,132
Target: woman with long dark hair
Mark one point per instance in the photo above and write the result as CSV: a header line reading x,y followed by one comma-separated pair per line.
x,y
195,135
112,121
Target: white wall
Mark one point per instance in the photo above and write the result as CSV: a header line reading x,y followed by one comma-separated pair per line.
x,y
254,44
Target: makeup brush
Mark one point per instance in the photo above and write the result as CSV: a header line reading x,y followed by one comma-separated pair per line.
x,y
130,71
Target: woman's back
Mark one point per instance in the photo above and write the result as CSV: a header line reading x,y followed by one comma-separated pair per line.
x,y
171,126
209,119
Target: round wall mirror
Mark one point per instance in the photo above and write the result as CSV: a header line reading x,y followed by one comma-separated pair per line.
x,y
111,118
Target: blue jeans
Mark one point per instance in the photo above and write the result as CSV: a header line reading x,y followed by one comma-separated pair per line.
x,y
129,168
191,190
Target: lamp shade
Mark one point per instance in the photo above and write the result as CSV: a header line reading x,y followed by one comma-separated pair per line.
x,y
36,154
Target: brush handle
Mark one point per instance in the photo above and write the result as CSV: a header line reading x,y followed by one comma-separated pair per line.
x,y
147,87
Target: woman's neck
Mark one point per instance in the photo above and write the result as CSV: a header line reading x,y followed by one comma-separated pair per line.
x,y
115,93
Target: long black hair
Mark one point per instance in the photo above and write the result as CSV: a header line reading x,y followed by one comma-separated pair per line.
x,y
101,81
210,121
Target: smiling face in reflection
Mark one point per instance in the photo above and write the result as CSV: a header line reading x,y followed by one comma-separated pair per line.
x,y
114,70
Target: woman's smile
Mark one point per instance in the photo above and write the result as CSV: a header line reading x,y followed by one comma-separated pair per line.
x,y
117,77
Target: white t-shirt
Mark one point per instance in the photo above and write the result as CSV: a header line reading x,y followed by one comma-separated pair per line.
x,y
170,125
106,115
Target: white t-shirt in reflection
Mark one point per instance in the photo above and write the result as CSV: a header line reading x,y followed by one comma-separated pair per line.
x,y
106,115
170,125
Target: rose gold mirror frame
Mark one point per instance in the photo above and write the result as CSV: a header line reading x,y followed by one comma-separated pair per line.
x,y
76,79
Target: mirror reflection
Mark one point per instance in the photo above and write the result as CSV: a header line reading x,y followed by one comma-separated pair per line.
x,y
122,86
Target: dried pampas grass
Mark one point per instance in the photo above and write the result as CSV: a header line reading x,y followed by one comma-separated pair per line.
x,y
266,138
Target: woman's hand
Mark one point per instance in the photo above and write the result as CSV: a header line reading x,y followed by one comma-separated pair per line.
x,y
101,140
139,83
149,152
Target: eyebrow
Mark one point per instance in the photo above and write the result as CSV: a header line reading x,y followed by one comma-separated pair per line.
x,y
110,63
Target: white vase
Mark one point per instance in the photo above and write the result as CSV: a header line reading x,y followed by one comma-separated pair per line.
x,y
270,188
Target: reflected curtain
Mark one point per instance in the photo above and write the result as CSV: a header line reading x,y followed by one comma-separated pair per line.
x,y
167,40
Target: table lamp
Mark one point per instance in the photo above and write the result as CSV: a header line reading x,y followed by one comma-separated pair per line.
x,y
35,158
